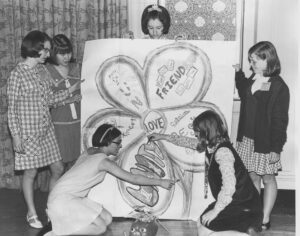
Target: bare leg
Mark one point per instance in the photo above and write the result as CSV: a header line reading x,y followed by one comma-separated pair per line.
x,y
27,185
106,216
256,179
57,169
68,165
99,226
270,195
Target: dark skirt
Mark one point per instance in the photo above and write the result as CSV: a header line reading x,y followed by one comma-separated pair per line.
x,y
236,218
68,138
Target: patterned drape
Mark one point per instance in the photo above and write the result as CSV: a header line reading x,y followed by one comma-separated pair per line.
x,y
203,19
80,20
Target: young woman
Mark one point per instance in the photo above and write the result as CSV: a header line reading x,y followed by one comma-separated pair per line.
x,y
29,120
237,209
155,22
263,121
65,115
69,209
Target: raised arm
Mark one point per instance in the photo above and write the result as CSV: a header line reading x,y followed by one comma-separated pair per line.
x,y
177,140
112,168
73,99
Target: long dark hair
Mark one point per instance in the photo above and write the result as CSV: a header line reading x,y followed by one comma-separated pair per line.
x,y
211,129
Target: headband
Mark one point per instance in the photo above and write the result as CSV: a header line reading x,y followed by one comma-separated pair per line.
x,y
154,7
105,133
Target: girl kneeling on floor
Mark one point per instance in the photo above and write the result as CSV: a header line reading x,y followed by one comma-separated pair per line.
x,y
237,209
70,211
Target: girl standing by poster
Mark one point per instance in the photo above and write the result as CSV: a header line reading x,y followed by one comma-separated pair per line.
x,y
65,115
29,97
263,121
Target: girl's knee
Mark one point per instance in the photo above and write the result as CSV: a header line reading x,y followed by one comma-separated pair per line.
x,y
30,174
101,229
106,216
269,179
57,169
255,177
108,220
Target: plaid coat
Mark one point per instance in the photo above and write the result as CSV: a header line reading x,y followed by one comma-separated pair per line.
x,y
29,97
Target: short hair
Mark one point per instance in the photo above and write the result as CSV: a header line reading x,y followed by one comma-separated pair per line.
x,y
156,12
266,51
60,45
104,135
33,43
211,128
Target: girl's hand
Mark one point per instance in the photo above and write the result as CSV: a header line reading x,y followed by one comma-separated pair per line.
x,y
75,86
237,67
209,216
18,145
274,157
167,183
75,98
155,137
128,35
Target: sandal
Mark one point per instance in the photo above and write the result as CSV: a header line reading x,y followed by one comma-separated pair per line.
x,y
266,226
34,222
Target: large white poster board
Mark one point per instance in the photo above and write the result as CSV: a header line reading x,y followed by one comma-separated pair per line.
x,y
143,86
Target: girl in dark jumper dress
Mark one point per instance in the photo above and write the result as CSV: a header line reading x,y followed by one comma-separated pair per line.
x,y
237,209
263,121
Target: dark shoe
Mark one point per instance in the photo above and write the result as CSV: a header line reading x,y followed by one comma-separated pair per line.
x,y
46,229
266,226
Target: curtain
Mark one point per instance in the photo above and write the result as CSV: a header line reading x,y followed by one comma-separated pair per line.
x,y
80,20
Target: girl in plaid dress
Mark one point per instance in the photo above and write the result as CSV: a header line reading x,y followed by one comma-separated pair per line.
x,y
29,120
263,121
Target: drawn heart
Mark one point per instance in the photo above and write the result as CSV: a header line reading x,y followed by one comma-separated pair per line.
x,y
173,75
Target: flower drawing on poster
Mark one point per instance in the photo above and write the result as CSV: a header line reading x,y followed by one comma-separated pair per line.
x,y
163,96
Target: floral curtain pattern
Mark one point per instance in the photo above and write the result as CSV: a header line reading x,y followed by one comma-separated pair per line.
x,y
80,20
203,19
